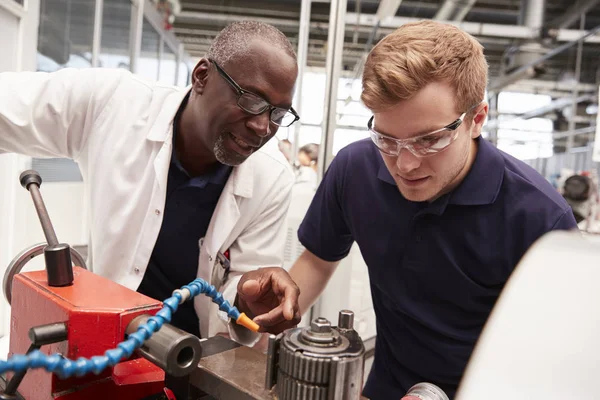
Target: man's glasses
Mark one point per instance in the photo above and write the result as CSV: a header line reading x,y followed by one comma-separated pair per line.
x,y
255,105
421,146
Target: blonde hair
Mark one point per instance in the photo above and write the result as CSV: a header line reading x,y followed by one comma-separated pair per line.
x,y
419,53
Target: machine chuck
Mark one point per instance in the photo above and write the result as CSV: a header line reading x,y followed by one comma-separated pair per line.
x,y
320,362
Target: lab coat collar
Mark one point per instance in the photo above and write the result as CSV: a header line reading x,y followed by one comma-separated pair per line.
x,y
163,129
242,176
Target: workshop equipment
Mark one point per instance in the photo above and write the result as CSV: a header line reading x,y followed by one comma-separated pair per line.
x,y
425,391
76,314
319,362
541,340
82,319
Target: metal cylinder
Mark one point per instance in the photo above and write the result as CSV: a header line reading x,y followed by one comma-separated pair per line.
x,y
19,262
174,350
58,255
58,264
346,319
320,362
425,391
46,334
272,354
31,181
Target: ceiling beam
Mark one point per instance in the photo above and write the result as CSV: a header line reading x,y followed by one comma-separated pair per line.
x,y
480,29
573,13
541,111
369,20
454,10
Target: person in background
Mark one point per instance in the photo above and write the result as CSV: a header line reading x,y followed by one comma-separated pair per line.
x,y
285,146
308,157
579,191
179,183
441,216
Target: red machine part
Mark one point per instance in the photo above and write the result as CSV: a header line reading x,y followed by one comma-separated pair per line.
x,y
97,312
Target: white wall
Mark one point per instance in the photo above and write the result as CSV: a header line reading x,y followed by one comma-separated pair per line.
x,y
9,33
18,41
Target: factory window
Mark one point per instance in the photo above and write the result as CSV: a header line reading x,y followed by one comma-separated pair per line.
x,y
149,55
185,71
525,139
65,35
352,115
114,47
57,169
168,66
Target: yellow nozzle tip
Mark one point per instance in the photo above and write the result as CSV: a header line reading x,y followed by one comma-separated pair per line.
x,y
247,322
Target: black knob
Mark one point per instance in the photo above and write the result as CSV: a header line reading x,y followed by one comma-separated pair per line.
x,y
28,177
58,264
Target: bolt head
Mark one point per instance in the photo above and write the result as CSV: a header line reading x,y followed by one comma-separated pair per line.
x,y
320,325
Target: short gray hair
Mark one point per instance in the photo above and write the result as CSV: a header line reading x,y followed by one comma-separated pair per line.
x,y
232,42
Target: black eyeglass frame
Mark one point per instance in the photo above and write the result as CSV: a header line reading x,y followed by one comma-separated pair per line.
x,y
241,91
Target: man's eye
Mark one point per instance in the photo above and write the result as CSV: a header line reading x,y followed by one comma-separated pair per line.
x,y
429,141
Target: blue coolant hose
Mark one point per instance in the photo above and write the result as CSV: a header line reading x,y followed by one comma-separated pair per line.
x,y
66,368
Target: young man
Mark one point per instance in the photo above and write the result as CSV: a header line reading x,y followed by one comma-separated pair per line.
x,y
440,215
179,184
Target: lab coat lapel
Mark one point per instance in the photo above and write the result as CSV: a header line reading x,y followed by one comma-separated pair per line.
x,y
162,133
161,164
227,212
218,237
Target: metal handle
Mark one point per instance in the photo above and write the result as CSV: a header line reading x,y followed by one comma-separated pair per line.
x,y
58,256
17,264
32,181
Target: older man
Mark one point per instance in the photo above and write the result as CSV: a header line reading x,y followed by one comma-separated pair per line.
x,y
179,184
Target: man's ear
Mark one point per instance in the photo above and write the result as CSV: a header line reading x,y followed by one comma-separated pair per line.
x,y
479,118
200,76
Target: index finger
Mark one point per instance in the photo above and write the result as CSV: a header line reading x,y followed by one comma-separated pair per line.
x,y
273,317
290,301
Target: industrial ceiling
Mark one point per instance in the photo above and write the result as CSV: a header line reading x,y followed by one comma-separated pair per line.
x,y
513,33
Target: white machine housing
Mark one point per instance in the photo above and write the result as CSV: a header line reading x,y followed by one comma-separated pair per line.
x,y
542,340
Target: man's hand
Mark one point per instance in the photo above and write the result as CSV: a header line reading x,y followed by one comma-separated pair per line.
x,y
270,297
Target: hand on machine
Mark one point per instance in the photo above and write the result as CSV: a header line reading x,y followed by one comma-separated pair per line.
x,y
76,314
108,341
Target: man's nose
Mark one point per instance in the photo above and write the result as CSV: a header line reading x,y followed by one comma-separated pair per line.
x,y
407,161
260,124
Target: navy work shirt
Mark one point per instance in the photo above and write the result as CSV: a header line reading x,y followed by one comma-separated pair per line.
x,y
436,269
190,203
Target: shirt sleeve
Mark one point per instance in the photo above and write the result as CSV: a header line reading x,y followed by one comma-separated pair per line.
x,y
50,114
325,231
565,222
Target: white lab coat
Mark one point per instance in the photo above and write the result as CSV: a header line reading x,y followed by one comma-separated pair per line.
x,y
118,128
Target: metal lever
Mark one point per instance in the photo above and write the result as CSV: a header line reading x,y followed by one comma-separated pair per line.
x,y
40,336
57,255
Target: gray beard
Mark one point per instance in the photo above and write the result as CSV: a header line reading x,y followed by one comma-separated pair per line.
x,y
225,156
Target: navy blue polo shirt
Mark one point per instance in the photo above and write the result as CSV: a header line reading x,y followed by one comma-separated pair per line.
x,y
436,269
190,203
